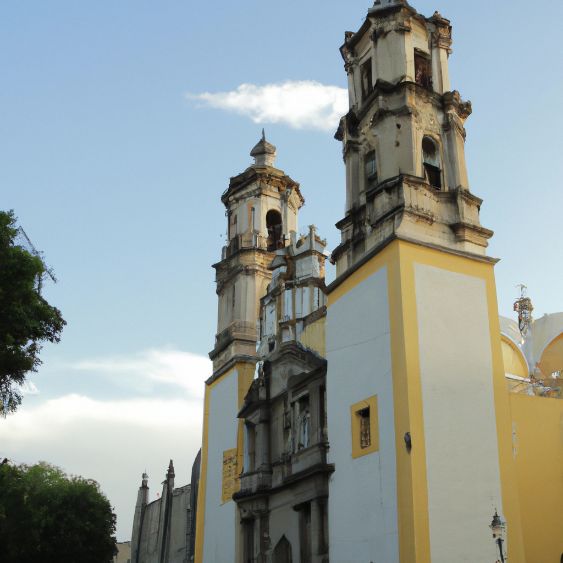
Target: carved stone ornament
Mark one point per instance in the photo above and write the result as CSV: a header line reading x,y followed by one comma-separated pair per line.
x,y
452,100
442,36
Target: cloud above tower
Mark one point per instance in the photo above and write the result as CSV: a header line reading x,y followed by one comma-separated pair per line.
x,y
301,104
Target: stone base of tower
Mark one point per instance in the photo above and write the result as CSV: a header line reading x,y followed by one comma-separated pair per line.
x,y
413,341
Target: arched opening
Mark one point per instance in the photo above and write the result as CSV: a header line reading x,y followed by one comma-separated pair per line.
x,y
274,226
282,552
431,161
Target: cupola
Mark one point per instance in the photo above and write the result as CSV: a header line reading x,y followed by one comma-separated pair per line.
x,y
264,153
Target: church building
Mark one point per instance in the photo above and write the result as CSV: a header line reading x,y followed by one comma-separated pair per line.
x,y
390,416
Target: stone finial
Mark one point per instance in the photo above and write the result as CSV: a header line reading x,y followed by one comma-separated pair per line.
x,y
264,153
145,480
170,472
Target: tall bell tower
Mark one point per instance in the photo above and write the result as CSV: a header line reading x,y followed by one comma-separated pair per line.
x,y
418,414
404,138
261,204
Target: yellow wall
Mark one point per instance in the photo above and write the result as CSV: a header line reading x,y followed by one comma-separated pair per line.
x,y
538,446
552,357
514,362
313,336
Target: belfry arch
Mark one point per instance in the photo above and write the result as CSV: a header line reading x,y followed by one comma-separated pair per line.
x,y
275,229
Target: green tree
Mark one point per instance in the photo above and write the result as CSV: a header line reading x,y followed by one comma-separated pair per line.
x,y
48,517
26,319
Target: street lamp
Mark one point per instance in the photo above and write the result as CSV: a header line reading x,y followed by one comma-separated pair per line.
x,y
498,528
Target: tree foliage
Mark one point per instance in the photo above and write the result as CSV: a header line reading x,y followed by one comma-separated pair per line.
x,y
26,319
48,517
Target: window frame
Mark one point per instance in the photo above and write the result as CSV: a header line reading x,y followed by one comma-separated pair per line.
x,y
370,178
434,165
356,410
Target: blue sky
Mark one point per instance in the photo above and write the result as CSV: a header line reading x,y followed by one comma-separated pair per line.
x,y
114,163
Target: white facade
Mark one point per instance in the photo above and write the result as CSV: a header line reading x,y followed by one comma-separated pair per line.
x,y
220,518
362,500
459,414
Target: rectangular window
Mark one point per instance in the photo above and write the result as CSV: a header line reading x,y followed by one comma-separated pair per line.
x,y
433,176
422,70
370,167
365,430
365,435
366,77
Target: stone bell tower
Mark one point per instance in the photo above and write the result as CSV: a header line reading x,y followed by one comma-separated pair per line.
x,y
261,208
261,204
418,414
403,138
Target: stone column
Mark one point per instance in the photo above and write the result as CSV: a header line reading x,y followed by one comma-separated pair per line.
x,y
352,159
316,532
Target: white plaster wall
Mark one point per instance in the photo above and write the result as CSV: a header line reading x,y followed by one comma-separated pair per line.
x,y
219,541
459,414
362,494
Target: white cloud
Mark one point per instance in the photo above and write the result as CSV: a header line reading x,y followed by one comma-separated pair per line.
x,y
144,369
302,104
114,440
111,441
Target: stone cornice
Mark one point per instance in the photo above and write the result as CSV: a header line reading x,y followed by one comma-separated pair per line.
x,y
269,175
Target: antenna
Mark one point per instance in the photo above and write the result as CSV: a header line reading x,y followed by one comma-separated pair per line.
x,y
28,245
523,306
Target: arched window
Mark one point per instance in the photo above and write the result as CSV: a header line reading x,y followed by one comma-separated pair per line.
x,y
282,552
431,161
274,226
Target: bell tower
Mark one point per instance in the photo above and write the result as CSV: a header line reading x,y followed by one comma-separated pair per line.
x,y
418,414
261,209
403,138
261,205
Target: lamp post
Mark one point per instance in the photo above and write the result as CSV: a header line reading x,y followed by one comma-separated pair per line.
x,y
498,528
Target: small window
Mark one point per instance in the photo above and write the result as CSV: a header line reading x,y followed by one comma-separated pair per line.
x,y
422,70
370,167
431,162
365,433
366,77
274,227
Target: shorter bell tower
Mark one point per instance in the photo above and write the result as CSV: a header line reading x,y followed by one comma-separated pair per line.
x,y
261,205
261,208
